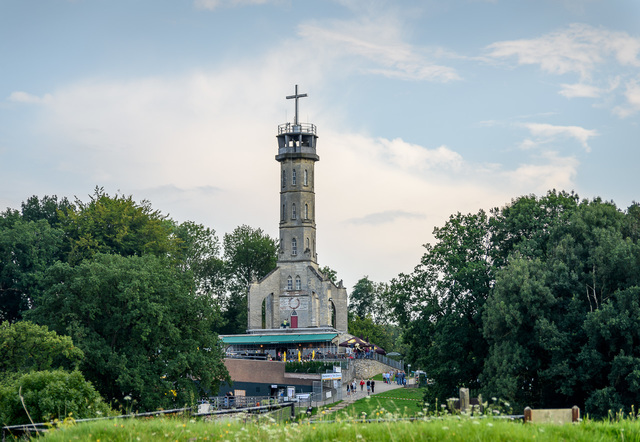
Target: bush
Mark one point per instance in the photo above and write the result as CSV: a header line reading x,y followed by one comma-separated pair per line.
x,y
309,367
49,395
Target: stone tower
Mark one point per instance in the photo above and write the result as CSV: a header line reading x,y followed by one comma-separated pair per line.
x,y
296,292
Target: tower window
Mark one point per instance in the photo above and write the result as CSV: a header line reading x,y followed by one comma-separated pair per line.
x,y
307,243
284,178
294,247
306,177
298,283
289,283
306,211
283,211
293,177
293,211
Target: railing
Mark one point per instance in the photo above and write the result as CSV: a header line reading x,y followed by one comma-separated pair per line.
x,y
300,128
398,365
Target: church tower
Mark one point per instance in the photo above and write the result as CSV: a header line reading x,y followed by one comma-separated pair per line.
x,y
297,157
296,293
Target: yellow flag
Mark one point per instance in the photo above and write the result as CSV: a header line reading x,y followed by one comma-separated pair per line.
x,y
299,356
284,357
313,355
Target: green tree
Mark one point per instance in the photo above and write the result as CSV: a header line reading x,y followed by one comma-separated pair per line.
x,y
144,331
25,346
49,395
27,249
329,273
117,225
440,305
199,252
249,255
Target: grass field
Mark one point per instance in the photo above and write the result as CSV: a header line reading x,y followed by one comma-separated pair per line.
x,y
450,428
401,402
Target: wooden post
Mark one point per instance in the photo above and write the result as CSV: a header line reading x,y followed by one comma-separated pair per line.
x,y
575,414
527,415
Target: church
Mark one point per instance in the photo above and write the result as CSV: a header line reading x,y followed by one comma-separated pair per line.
x,y
295,305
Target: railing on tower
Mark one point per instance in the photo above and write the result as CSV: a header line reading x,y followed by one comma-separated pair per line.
x,y
300,128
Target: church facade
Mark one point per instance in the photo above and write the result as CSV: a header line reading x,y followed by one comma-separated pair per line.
x,y
296,295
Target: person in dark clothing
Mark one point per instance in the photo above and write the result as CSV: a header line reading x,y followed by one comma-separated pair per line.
x,y
373,386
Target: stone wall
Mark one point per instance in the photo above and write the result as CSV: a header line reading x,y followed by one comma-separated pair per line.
x,y
367,368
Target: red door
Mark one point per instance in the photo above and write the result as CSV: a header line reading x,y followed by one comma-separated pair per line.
x,y
294,320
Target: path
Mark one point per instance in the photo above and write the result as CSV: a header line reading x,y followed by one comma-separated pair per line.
x,y
381,387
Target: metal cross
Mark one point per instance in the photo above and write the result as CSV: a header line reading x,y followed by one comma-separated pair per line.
x,y
296,96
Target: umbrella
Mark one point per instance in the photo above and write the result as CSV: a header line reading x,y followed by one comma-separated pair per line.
x,y
378,350
353,342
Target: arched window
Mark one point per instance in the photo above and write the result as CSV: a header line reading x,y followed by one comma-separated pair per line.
x,y
284,178
307,243
293,211
293,177
306,177
298,283
306,211
289,283
294,247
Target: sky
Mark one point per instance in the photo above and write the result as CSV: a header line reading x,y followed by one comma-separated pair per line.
x,y
423,109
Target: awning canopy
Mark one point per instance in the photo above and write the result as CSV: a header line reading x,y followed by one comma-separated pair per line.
x,y
277,339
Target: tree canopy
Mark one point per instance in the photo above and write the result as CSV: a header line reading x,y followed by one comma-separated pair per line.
x,y
532,303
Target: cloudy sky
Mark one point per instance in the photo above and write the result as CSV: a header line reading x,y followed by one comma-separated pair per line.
x,y
424,108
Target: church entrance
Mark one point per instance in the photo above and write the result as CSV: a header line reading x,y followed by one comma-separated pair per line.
x,y
294,319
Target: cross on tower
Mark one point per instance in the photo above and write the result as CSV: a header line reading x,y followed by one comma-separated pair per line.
x,y
296,96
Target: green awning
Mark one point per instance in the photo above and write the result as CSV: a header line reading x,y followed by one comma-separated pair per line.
x,y
277,339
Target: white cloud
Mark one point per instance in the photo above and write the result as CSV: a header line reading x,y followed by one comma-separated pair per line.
x,y
580,90
578,48
380,43
632,95
215,4
553,172
551,131
24,97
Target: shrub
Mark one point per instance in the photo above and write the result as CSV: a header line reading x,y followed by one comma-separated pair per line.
x,y
49,395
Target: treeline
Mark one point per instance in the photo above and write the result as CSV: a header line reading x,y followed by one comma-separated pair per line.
x,y
537,303
140,297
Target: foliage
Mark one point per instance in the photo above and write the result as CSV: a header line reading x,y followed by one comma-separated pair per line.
x,y
25,346
27,249
48,395
329,273
308,367
534,303
199,252
116,225
380,334
327,427
144,332
440,304
249,254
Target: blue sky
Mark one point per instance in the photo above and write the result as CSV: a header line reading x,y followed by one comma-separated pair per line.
x,y
424,108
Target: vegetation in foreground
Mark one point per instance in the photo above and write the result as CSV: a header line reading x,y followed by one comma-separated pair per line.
x,y
450,428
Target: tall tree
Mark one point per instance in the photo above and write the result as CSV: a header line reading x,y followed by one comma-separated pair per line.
x,y
249,254
27,249
117,225
144,331
440,304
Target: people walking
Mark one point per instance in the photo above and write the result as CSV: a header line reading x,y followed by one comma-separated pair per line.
x,y
368,386
361,384
373,386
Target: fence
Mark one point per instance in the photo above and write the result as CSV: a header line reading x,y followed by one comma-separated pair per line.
x,y
13,431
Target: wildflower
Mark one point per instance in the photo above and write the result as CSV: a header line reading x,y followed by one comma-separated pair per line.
x,y
127,398
445,428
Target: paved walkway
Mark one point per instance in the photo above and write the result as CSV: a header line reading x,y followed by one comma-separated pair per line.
x,y
381,387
